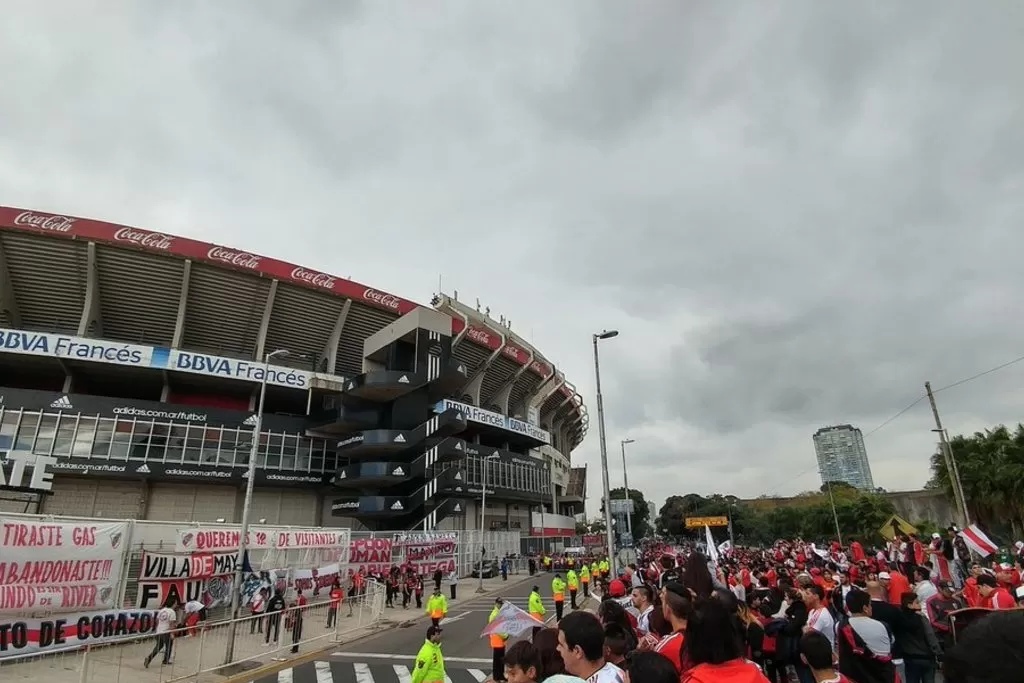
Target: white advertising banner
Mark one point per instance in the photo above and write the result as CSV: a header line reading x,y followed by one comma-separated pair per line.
x,y
220,539
24,636
48,566
138,355
487,417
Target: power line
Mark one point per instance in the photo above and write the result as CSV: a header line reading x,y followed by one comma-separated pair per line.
x,y
948,386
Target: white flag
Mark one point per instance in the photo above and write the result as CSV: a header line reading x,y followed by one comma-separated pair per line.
x,y
712,548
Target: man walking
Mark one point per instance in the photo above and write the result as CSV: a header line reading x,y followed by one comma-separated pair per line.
x,y
166,619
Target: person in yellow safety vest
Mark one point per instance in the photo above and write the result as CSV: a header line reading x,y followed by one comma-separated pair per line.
x,y
595,570
437,607
536,607
430,660
570,561
558,591
574,586
605,568
498,641
585,579
547,563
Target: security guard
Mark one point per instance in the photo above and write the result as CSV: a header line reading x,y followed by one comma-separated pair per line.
x,y
595,569
536,607
558,589
605,568
430,660
547,563
574,586
498,641
585,579
437,607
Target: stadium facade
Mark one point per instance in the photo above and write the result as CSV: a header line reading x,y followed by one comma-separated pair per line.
x,y
131,363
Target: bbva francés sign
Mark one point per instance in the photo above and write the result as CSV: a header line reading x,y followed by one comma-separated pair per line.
x,y
28,472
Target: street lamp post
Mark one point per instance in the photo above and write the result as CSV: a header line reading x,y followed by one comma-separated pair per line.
x,y
483,516
607,334
625,483
243,539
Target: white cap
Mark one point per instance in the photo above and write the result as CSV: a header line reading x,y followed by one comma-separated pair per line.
x,y
936,536
884,576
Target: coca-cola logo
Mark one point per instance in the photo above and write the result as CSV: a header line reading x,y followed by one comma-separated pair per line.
x,y
381,299
512,352
314,278
144,238
234,258
478,335
539,368
44,221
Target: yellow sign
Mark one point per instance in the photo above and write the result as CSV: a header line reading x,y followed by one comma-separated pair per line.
x,y
698,522
896,525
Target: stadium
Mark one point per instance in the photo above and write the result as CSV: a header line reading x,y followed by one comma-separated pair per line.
x,y
132,364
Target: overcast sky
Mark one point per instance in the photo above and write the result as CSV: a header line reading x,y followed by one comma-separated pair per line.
x,y
796,213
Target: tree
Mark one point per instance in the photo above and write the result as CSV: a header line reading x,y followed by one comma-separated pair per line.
x,y
641,512
991,467
860,515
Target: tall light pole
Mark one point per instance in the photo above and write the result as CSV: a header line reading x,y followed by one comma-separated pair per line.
x,y
625,483
607,334
243,539
483,516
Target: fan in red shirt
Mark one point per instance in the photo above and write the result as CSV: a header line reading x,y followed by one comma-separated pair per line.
x,y
676,607
994,596
816,653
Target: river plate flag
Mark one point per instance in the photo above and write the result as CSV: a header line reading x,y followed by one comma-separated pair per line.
x,y
512,621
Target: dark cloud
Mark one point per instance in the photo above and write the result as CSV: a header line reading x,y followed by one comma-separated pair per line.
x,y
795,212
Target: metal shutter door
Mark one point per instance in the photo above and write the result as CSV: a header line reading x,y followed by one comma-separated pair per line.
x,y
191,503
94,498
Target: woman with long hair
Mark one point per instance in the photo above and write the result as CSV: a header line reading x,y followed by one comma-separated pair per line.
x,y
697,576
714,648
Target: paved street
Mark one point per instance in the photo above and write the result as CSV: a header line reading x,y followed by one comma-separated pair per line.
x,y
389,657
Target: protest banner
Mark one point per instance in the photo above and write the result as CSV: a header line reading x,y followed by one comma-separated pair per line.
x,y
315,583
428,551
204,577
224,538
369,555
48,566
21,636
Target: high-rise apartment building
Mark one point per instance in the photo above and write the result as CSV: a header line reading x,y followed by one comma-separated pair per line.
x,y
842,456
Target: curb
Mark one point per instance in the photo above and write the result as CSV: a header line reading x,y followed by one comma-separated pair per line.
x,y
313,655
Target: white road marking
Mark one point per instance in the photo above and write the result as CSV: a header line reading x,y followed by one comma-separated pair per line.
x,y
477,674
284,676
403,674
363,674
323,672
388,655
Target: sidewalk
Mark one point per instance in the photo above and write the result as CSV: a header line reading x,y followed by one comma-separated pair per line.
x,y
125,663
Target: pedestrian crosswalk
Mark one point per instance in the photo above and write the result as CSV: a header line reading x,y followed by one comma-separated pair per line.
x,y
366,672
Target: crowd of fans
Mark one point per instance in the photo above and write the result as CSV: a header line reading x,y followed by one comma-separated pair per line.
x,y
790,613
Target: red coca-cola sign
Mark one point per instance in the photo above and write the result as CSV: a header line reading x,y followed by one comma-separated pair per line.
x,y
317,279
381,299
43,221
480,336
512,352
540,368
144,238
235,258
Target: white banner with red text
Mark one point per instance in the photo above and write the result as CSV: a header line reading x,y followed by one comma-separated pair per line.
x,y
23,636
49,566
223,539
